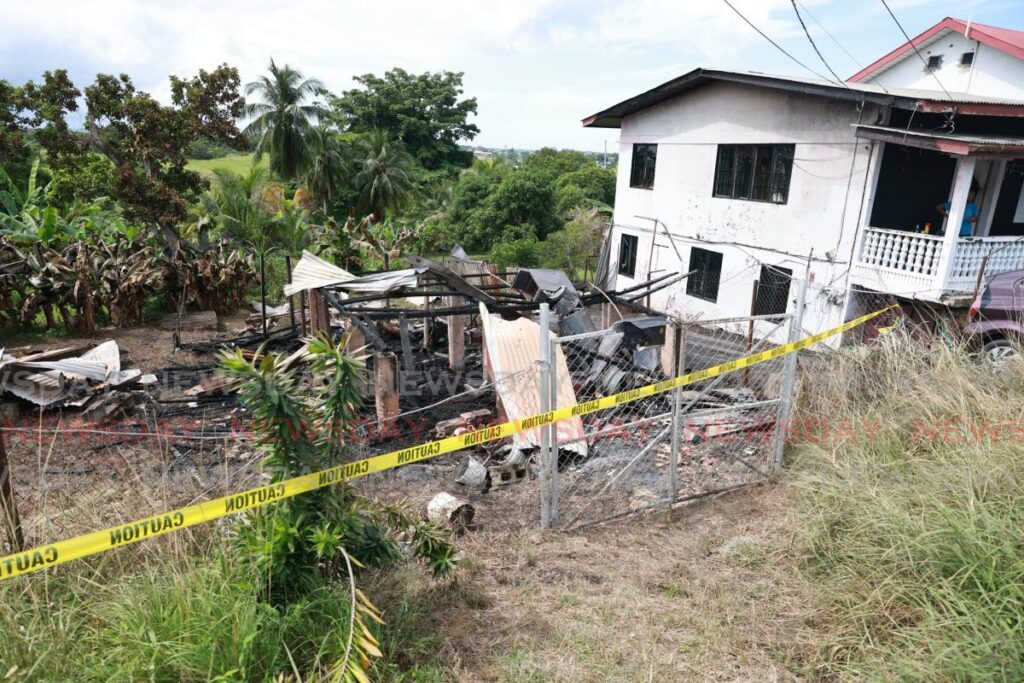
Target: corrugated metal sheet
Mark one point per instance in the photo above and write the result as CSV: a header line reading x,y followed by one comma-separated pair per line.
x,y
383,282
57,379
312,272
513,349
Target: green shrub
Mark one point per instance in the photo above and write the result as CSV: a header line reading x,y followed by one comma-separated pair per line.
x,y
523,253
306,540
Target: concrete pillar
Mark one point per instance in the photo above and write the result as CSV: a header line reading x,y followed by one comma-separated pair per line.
x,y
456,335
957,204
354,341
385,388
319,313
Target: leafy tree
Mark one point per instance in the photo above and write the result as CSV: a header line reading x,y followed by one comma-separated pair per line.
x,y
13,120
524,201
554,163
282,123
422,110
94,177
576,247
522,253
145,141
589,185
382,182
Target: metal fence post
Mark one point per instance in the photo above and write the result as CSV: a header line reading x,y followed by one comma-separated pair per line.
x,y
545,405
553,430
788,380
8,506
678,368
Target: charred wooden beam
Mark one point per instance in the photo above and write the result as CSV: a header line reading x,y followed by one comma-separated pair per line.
x,y
452,279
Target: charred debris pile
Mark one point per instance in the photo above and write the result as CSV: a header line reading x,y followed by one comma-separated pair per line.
x,y
450,347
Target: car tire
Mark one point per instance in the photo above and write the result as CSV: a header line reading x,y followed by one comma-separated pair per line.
x,y
999,351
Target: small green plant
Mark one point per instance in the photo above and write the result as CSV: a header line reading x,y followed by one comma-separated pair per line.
x,y
322,536
307,539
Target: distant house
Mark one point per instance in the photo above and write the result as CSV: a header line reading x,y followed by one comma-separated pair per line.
x,y
969,58
482,154
744,177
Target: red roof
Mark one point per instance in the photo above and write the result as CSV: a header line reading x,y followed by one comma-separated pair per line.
x,y
1007,40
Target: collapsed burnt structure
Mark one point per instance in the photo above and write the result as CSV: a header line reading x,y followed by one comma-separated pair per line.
x,y
428,322
453,346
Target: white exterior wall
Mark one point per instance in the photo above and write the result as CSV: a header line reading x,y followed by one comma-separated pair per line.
x,y
993,73
688,130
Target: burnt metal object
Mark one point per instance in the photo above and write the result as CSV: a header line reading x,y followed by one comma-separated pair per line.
x,y
529,281
643,331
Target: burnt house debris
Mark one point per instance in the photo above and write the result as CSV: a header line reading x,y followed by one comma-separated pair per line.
x,y
450,346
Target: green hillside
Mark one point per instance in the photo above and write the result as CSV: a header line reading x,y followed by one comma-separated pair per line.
x,y
237,163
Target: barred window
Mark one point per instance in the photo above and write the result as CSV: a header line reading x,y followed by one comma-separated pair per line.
x,y
706,273
628,245
641,173
757,173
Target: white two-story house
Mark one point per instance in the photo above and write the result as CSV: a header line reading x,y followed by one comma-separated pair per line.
x,y
748,179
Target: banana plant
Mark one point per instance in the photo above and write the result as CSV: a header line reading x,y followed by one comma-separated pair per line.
x,y
385,238
23,214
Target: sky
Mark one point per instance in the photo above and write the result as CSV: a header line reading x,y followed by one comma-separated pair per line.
x,y
536,67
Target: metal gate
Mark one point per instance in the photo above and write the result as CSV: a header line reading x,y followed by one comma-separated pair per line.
x,y
710,436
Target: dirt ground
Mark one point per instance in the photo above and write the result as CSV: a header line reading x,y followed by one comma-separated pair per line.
x,y
71,473
700,593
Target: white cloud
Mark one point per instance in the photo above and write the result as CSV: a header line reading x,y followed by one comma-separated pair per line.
x,y
537,66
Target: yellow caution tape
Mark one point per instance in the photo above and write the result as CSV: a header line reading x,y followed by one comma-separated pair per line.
x,y
54,554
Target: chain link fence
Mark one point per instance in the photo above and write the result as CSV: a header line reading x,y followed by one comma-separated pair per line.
x,y
709,436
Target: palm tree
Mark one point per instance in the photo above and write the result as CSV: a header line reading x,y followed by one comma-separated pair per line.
x,y
328,169
383,180
281,123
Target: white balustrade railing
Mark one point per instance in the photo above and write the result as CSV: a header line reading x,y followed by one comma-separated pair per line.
x,y
903,262
1004,253
899,250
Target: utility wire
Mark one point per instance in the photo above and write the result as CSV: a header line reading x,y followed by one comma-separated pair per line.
x,y
777,46
916,51
827,33
816,50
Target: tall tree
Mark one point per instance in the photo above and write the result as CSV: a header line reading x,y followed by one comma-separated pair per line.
x,y
328,168
146,141
382,183
422,110
282,123
12,122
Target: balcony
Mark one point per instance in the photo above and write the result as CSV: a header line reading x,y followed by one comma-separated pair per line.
x,y
910,264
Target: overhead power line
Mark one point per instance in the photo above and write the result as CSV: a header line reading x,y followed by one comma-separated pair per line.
x,y
916,51
816,50
777,46
829,34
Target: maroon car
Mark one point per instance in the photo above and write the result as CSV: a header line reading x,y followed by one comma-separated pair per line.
x,y
996,321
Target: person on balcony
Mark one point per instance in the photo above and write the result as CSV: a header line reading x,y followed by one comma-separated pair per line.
x,y
970,212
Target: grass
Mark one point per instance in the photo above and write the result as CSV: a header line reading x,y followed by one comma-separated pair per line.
x,y
236,163
911,526
892,549
187,614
